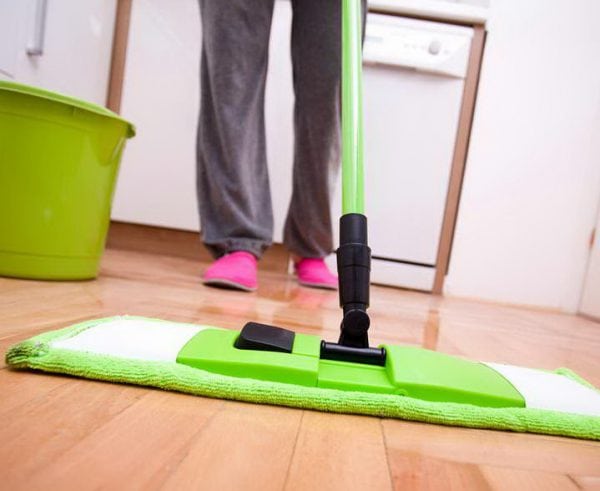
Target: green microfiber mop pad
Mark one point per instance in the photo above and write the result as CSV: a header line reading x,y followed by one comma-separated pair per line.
x,y
68,351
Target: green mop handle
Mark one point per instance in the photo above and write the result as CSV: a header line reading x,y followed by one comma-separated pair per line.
x,y
352,137
353,254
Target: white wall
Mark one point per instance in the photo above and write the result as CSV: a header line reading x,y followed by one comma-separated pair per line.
x,y
532,180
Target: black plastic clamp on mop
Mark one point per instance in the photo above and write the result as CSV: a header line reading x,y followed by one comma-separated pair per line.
x,y
354,269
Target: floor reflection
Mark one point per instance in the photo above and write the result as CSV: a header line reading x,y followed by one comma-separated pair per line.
x,y
431,330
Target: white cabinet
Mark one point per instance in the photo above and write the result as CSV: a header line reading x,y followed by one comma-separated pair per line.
x,y
157,180
10,13
76,42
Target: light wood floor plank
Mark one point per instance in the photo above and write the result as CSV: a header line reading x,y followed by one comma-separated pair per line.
x,y
49,426
138,448
588,483
339,452
244,446
496,448
413,471
507,479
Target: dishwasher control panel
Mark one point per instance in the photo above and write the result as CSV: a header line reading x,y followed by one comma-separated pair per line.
x,y
426,46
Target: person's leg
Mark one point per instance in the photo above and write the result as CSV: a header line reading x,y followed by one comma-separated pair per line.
x,y
232,179
316,56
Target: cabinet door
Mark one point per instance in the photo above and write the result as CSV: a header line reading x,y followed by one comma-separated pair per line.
x,y
590,300
76,45
157,181
11,13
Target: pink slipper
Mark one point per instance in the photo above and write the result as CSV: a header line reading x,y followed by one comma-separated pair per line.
x,y
234,270
315,273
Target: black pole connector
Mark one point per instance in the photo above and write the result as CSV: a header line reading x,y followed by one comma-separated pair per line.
x,y
366,356
354,269
354,272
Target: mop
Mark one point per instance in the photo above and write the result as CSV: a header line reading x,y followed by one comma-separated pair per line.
x,y
271,365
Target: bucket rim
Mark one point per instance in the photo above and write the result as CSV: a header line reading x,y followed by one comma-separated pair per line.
x,y
30,90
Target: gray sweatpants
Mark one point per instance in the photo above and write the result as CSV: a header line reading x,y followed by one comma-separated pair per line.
x,y
232,179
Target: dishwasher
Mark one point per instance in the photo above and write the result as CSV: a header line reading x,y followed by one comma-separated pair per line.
x,y
414,76
413,82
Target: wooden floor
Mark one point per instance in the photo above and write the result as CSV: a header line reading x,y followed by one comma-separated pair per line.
x,y
58,432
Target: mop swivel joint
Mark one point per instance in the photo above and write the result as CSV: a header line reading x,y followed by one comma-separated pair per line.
x,y
354,268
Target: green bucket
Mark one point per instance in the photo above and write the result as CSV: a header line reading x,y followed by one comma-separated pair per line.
x,y
59,159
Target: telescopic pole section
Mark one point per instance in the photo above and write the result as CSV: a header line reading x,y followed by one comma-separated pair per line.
x,y
352,137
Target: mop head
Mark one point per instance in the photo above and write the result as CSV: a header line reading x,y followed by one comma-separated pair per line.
x,y
143,351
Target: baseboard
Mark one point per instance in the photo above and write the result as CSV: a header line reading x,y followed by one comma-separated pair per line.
x,y
589,317
179,243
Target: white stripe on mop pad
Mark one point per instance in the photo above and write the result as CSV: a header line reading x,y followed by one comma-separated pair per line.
x,y
133,338
545,390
